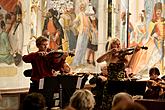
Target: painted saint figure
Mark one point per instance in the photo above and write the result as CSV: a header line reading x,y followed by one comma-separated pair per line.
x,y
53,30
16,33
5,50
84,27
93,41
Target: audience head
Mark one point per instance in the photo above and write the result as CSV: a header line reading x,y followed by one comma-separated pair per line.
x,y
154,73
42,43
104,70
34,101
69,108
129,106
121,97
82,99
66,68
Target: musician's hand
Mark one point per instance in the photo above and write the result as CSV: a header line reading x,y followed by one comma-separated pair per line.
x,y
66,68
42,53
113,51
117,52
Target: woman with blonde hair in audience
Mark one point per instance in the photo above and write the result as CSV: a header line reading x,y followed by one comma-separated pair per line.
x,y
82,99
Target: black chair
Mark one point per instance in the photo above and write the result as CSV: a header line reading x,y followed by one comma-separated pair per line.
x,y
27,73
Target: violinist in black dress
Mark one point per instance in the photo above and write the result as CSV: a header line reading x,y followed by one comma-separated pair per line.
x,y
116,59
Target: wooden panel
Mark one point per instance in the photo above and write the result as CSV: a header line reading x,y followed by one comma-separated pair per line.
x,y
152,104
8,71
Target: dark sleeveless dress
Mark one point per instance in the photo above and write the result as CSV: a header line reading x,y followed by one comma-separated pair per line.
x,y
116,73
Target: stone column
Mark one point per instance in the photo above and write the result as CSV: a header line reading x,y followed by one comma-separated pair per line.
x,y
102,25
116,18
39,18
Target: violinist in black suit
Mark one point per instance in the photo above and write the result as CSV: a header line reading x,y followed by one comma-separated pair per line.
x,y
155,85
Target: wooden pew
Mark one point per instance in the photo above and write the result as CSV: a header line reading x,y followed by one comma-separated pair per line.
x,y
151,104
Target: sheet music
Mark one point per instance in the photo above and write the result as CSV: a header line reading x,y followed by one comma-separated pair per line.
x,y
79,80
41,83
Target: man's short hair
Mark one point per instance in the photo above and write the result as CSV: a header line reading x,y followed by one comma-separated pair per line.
x,y
41,39
34,101
154,70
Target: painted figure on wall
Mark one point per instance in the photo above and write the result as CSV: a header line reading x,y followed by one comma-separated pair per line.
x,y
123,31
93,40
14,27
84,27
140,28
69,41
66,23
154,41
16,33
156,31
33,21
53,30
5,50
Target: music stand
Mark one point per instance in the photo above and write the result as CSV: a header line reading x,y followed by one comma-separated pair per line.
x,y
51,86
63,84
131,87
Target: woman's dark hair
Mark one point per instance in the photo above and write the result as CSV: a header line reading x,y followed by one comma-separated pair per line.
x,y
154,70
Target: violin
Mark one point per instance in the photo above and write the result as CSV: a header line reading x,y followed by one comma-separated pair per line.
x,y
130,51
83,74
159,83
58,54
56,59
